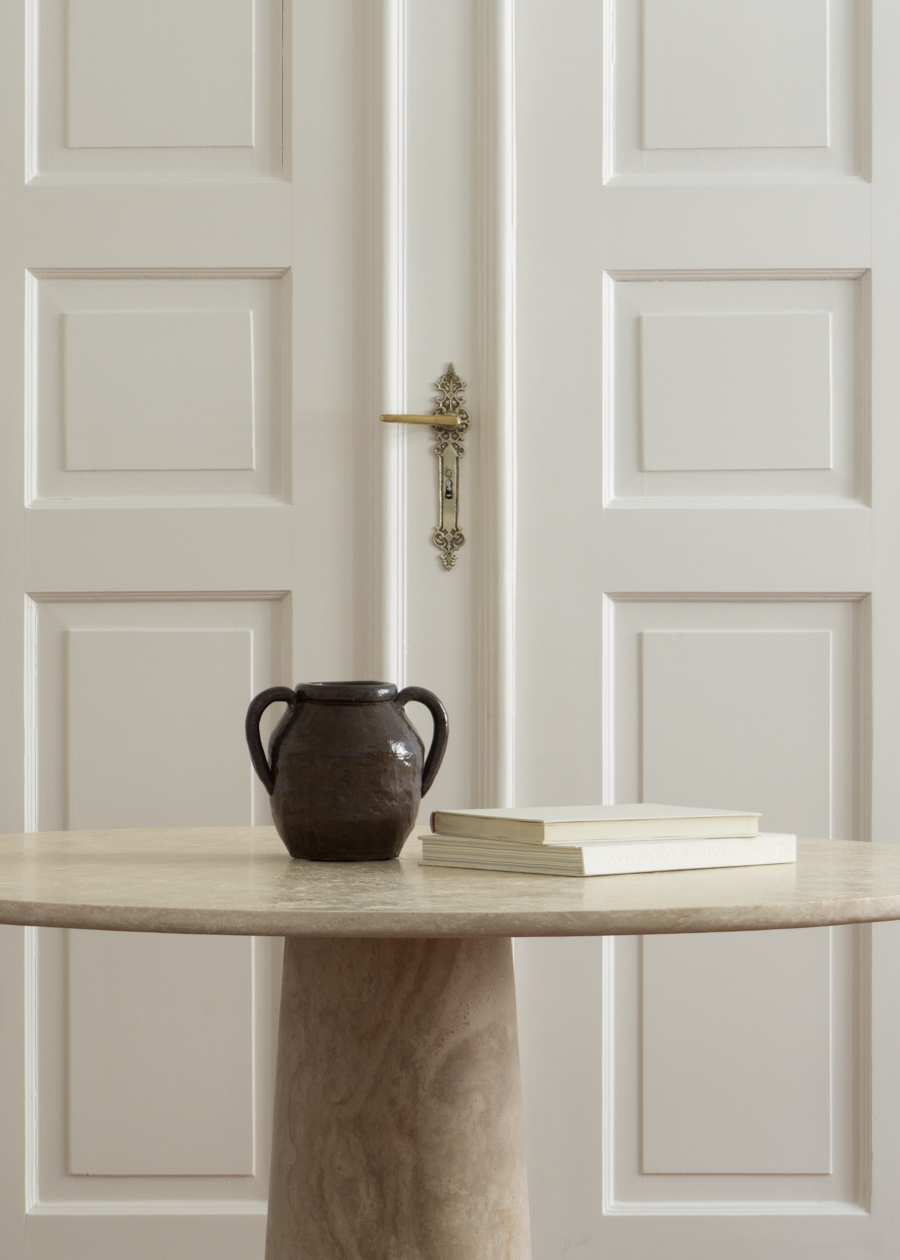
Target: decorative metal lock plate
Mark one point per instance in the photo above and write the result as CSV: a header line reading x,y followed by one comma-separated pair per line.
x,y
450,421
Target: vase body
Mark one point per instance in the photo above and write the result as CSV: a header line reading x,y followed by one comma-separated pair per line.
x,y
346,768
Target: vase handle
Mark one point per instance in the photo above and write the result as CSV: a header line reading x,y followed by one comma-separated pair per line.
x,y
441,729
254,714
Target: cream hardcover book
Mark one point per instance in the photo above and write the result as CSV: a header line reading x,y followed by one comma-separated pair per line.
x,y
553,823
618,857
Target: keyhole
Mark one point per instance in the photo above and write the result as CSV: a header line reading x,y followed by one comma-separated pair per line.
x,y
448,488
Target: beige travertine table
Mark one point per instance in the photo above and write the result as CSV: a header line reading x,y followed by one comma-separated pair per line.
x,y
398,1131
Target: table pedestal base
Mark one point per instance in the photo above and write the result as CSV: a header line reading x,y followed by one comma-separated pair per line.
x,y
398,1121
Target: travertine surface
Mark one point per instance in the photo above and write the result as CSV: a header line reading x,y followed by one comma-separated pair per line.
x,y
398,1126
237,880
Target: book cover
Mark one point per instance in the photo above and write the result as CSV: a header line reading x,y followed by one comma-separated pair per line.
x,y
547,824
614,858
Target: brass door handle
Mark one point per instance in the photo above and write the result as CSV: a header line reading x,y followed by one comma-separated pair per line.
x,y
450,420
437,422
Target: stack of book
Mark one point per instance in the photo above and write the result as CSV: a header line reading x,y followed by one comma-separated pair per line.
x,y
601,839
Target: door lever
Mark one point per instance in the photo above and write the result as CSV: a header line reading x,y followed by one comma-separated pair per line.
x,y
449,420
436,422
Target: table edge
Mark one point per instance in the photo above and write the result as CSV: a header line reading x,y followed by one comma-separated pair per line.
x,y
387,923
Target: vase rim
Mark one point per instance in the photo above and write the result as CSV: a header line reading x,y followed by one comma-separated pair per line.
x,y
351,692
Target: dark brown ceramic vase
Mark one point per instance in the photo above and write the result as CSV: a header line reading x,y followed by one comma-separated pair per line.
x,y
346,768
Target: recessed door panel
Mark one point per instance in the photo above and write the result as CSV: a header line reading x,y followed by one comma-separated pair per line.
x,y
148,388
734,389
709,90
155,1055
187,88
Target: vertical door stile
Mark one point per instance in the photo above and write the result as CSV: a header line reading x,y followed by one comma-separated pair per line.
x,y
880,1164
16,1042
497,201
391,631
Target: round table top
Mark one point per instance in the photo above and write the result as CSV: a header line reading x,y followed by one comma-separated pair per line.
x,y
241,881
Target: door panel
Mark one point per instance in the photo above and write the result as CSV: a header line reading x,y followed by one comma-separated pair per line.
x,y
738,390
153,1073
154,1058
243,232
708,90
694,1084
170,388
190,88
148,289
704,420
160,1077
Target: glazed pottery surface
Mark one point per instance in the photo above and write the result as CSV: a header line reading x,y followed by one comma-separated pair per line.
x,y
346,768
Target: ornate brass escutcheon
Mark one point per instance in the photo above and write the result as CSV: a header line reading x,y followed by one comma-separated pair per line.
x,y
450,421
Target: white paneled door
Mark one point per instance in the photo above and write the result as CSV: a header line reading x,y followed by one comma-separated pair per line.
x,y
709,599
233,234
657,239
